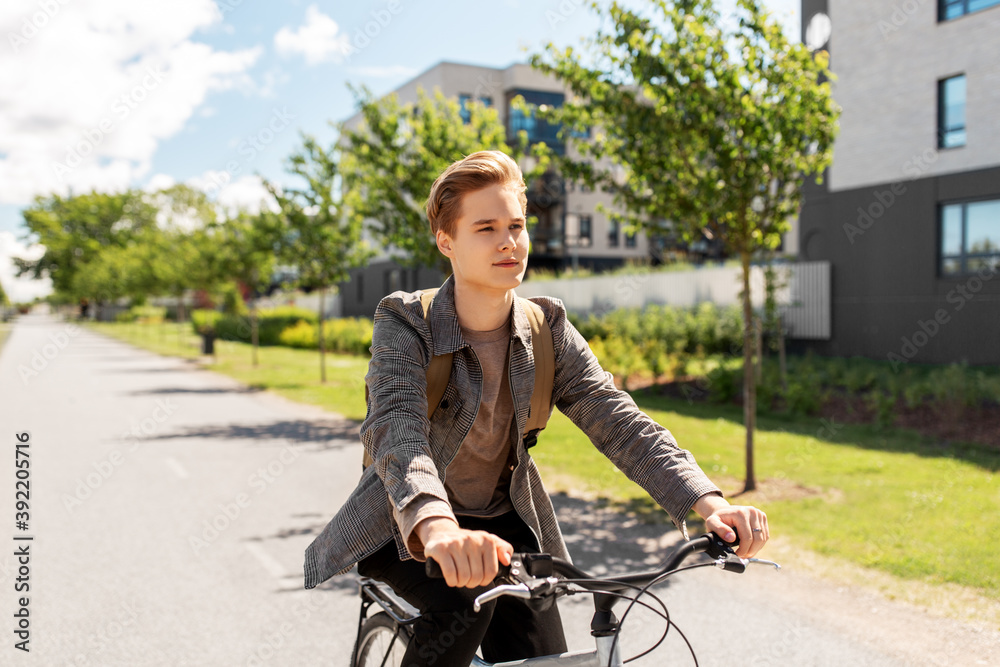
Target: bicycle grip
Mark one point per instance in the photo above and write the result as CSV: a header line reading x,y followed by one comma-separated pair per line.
x,y
433,569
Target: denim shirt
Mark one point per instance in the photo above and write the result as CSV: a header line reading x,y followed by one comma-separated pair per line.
x,y
411,454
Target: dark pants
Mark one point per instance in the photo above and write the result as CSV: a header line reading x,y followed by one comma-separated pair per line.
x,y
449,632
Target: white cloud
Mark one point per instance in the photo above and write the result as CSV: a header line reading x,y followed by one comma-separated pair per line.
x,y
159,182
91,88
246,193
20,289
319,40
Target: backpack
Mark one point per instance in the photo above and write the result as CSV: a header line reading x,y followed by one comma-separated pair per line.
x,y
439,371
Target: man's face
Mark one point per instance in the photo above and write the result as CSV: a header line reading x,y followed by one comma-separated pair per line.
x,y
489,248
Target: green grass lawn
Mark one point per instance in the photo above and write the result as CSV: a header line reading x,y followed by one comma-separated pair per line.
x,y
881,498
892,500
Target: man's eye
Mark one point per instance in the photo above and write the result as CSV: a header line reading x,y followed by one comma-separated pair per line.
x,y
517,225
486,229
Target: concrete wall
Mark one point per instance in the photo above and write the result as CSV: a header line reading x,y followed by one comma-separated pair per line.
x,y
885,278
888,56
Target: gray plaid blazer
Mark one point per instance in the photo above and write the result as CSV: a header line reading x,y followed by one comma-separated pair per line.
x,y
411,454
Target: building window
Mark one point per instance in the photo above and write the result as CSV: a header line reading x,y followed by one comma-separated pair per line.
x,y
586,227
951,112
463,108
392,281
952,9
536,128
970,237
630,240
612,233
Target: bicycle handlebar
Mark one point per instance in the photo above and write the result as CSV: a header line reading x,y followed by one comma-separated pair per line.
x,y
526,567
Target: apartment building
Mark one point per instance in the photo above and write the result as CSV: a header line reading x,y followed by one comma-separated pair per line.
x,y
909,212
570,230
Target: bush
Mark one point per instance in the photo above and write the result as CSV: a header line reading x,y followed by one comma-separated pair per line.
x,y
143,314
270,323
803,397
724,384
704,329
883,405
345,335
348,335
205,321
301,335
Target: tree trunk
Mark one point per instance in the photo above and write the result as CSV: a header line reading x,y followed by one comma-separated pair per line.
x,y
253,330
749,386
782,362
322,340
758,338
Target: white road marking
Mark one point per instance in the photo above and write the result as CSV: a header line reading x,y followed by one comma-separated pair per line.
x,y
176,466
269,563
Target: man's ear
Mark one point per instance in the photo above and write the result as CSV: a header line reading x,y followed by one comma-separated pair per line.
x,y
444,244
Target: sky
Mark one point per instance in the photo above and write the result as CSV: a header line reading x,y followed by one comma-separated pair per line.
x,y
112,94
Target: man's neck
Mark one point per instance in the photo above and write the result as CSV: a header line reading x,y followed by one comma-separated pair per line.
x,y
481,310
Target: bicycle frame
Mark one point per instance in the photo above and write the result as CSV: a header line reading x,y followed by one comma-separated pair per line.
x,y
592,658
605,626
402,613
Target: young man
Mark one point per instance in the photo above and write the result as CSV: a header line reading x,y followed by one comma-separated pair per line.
x,y
461,487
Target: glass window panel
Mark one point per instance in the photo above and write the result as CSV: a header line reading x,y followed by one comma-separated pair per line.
x,y
463,108
951,265
954,102
983,227
951,229
951,122
954,138
976,5
976,264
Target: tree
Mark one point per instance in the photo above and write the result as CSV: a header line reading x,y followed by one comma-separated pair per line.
x,y
708,126
76,228
321,240
392,159
181,259
248,245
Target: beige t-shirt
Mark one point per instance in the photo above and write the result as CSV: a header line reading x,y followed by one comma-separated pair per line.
x,y
478,478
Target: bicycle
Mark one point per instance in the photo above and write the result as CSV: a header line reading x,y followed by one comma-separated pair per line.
x,y
540,578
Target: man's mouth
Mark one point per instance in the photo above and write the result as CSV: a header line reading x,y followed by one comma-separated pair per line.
x,y
506,262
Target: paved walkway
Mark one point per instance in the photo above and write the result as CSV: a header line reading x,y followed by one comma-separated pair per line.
x,y
170,509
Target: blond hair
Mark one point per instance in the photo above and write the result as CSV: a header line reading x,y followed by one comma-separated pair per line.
x,y
475,172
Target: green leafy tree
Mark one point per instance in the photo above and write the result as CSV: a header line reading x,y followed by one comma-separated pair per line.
x,y
116,273
181,257
321,240
248,246
76,228
391,160
708,124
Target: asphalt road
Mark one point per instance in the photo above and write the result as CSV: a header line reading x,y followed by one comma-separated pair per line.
x,y
170,508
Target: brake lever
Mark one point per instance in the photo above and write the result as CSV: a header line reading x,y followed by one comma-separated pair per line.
x,y
514,590
764,562
525,590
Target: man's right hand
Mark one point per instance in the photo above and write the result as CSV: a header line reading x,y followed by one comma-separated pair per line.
x,y
468,558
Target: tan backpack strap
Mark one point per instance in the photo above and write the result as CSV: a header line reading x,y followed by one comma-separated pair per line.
x,y
439,370
545,366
